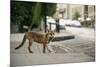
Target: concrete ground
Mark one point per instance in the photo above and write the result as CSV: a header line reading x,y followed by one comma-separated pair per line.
x,y
79,49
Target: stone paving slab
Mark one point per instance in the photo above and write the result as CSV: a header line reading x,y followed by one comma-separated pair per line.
x,y
37,59
79,49
22,57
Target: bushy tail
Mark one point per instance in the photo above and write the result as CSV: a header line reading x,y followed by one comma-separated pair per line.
x,y
24,39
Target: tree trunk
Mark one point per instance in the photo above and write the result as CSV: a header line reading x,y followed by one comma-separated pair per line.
x,y
45,23
45,20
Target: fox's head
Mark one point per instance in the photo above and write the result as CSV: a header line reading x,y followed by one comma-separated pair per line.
x,y
50,33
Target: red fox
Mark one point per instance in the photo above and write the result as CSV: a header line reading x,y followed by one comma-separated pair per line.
x,y
37,37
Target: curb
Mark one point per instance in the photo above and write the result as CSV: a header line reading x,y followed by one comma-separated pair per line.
x,y
61,38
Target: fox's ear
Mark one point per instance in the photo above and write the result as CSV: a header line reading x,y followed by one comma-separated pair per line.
x,y
48,30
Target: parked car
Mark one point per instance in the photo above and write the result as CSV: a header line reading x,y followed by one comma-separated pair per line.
x,y
73,23
51,20
62,23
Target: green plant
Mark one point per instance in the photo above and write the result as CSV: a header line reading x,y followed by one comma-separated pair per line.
x,y
76,15
30,13
90,23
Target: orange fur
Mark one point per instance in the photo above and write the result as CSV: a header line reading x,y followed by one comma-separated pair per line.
x,y
37,37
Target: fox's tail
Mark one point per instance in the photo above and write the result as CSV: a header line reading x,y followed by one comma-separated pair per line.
x,y
24,39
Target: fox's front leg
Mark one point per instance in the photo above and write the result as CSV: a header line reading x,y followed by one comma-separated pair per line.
x,y
29,47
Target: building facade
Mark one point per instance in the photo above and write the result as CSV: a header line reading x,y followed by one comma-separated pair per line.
x,y
68,11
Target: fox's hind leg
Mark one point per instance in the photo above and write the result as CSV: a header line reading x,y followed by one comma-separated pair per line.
x,y
44,48
29,47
